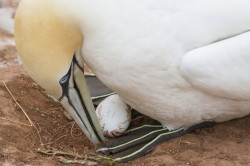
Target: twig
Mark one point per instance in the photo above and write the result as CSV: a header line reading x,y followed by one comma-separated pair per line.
x,y
100,159
82,162
186,142
24,112
57,139
31,123
65,161
55,108
71,130
44,112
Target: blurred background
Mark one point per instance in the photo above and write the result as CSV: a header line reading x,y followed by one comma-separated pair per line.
x,y
8,54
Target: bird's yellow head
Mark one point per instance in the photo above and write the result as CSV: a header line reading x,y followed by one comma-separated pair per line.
x,y
49,40
46,39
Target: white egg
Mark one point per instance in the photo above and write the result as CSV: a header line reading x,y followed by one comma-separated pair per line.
x,y
114,116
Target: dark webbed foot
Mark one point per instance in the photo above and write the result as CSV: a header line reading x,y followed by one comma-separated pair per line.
x,y
141,140
98,91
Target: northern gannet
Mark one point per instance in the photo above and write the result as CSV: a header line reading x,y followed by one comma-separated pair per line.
x,y
180,62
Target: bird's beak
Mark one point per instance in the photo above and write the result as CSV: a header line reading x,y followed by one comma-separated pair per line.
x,y
47,37
76,99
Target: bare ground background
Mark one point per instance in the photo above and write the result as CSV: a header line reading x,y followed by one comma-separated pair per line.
x,y
225,144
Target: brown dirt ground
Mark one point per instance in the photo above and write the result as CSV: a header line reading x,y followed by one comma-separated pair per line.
x,y
225,144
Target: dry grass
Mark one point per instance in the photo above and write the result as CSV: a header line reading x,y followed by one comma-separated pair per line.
x,y
24,112
72,157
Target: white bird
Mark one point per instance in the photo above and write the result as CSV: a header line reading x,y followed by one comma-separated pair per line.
x,y
177,61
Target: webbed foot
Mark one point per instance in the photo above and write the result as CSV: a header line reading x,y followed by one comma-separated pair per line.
x,y
139,141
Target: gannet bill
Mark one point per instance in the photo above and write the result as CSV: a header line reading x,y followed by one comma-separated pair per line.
x,y
183,63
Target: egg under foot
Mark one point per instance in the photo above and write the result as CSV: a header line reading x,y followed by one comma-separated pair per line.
x,y
141,140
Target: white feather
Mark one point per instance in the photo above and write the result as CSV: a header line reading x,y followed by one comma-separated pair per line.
x,y
136,48
222,68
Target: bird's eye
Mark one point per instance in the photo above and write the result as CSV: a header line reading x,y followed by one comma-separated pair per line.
x,y
64,79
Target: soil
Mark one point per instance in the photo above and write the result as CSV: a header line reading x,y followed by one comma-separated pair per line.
x,y
225,144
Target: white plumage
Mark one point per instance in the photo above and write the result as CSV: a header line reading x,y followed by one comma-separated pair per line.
x,y
179,62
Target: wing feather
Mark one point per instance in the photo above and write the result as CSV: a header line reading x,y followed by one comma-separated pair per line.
x,y
222,68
